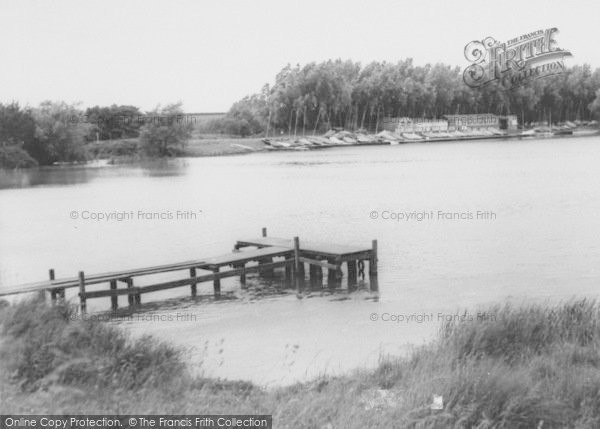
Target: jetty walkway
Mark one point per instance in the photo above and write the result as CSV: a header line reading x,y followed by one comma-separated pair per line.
x,y
262,255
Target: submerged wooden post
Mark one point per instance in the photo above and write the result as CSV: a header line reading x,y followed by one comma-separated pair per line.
x,y
267,272
242,275
52,291
352,271
331,275
217,282
114,299
55,292
312,275
130,298
373,267
316,276
301,274
82,298
297,265
335,277
338,273
319,277
193,287
289,269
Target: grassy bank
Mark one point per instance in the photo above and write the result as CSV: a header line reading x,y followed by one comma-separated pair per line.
x,y
128,150
216,145
534,366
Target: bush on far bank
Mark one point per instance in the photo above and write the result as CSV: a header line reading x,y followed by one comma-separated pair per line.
x,y
46,134
165,136
230,126
13,156
114,148
59,137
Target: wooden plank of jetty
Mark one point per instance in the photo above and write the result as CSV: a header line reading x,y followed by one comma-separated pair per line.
x,y
323,255
328,250
71,282
293,255
241,257
207,263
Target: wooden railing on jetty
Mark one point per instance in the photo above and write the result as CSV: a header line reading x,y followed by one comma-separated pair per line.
x,y
292,255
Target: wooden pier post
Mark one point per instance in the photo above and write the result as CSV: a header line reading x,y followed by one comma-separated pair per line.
x,y
373,267
243,275
320,277
193,287
114,299
52,291
301,274
266,272
217,283
130,297
289,276
298,273
338,273
82,299
316,276
352,278
332,275
312,276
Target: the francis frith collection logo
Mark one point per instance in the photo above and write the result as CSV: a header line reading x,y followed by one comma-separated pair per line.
x,y
516,62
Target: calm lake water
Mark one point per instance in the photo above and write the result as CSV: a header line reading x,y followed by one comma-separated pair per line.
x,y
540,241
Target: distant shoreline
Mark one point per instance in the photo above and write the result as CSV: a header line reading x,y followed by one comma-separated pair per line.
x,y
125,151
215,146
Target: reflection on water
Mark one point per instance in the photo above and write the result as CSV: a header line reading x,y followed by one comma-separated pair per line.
x,y
47,176
542,245
77,174
163,167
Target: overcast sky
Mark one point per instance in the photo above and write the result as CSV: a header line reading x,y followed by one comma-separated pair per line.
x,y
208,54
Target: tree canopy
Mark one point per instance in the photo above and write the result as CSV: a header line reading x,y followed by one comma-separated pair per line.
x,y
114,122
164,134
338,93
58,137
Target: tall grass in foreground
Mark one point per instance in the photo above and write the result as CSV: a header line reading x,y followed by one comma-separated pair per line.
x,y
526,367
46,347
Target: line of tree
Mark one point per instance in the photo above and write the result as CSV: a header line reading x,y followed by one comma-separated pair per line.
x,y
58,132
319,96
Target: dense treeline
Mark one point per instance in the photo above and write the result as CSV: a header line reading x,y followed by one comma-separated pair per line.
x,y
303,99
339,93
58,132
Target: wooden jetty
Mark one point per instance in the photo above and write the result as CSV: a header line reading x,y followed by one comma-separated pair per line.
x,y
267,254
